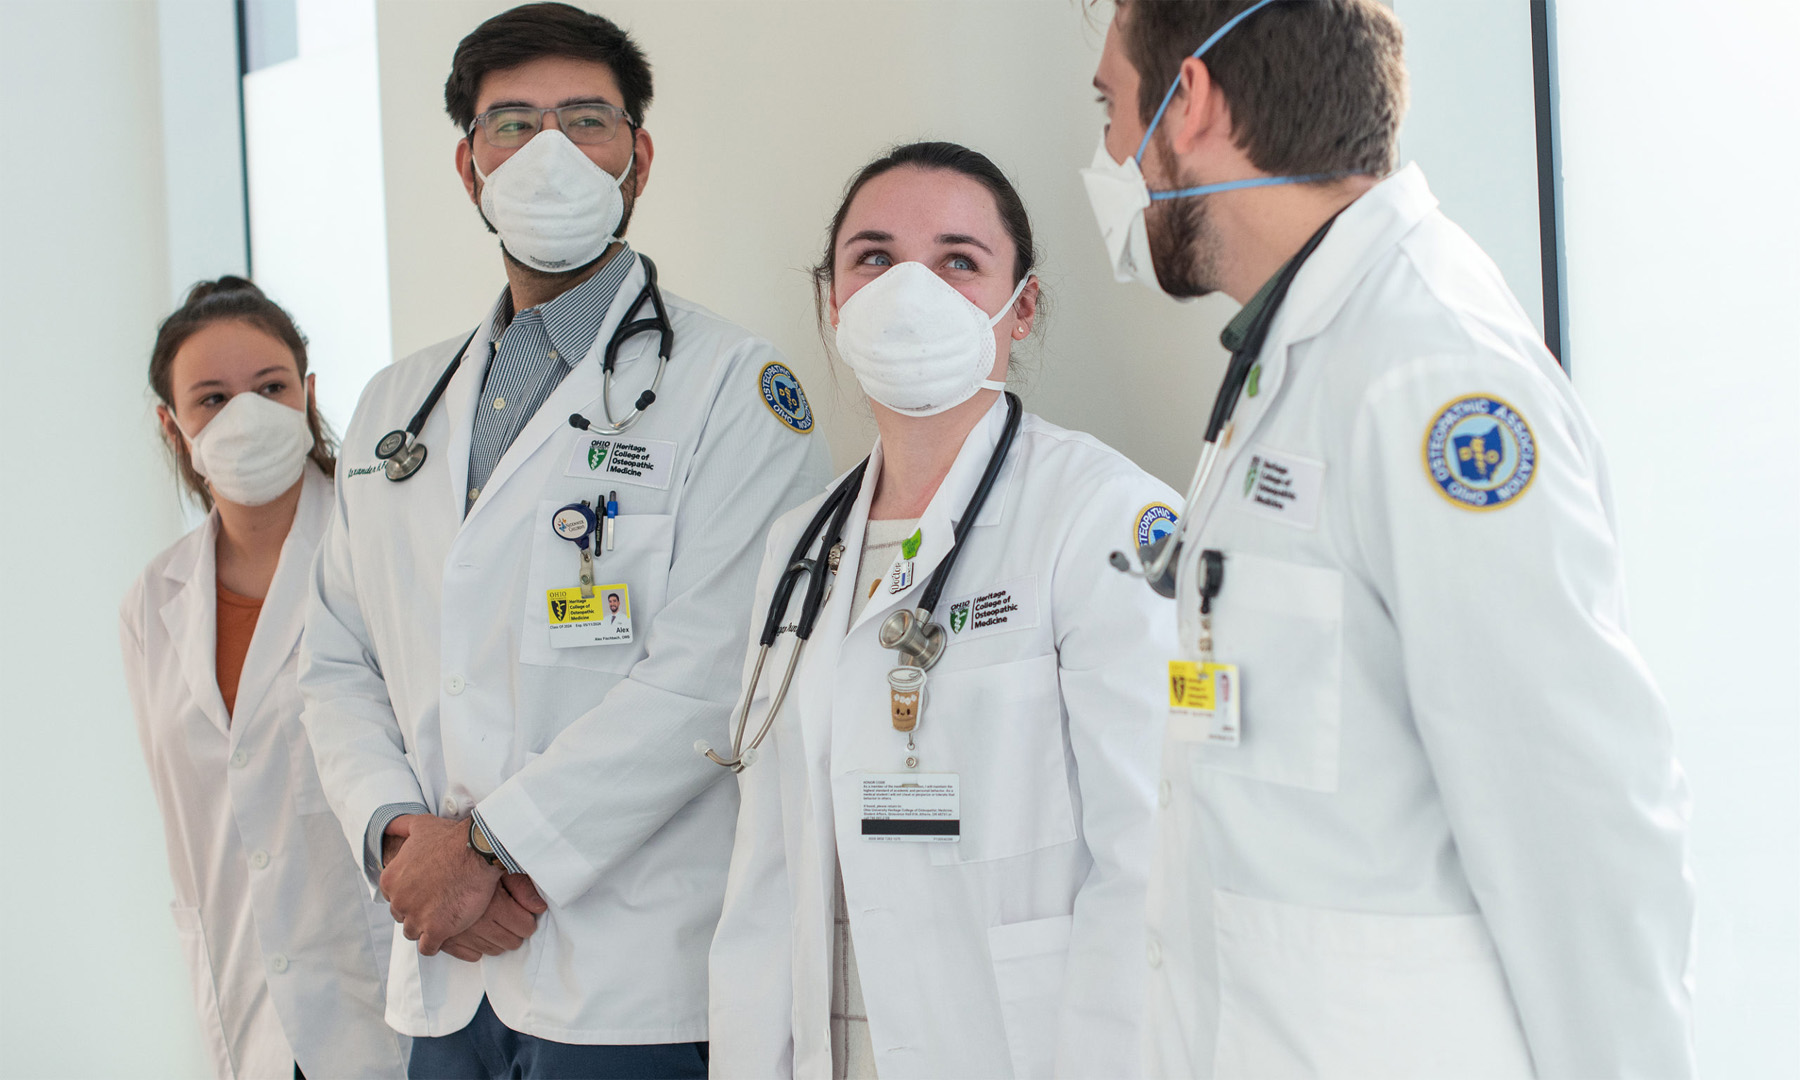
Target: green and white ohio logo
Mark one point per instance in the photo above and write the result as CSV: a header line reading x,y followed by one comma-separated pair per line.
x,y
959,617
597,451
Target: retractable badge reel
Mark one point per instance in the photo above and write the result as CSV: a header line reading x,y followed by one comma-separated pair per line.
x,y
920,643
1204,696
579,525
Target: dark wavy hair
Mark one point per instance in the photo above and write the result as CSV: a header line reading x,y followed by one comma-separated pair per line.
x,y
530,31
230,299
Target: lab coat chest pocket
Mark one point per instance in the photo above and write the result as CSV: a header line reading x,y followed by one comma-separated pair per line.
x,y
1282,624
642,550
1000,728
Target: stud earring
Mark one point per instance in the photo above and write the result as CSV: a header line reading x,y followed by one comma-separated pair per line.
x,y
1020,331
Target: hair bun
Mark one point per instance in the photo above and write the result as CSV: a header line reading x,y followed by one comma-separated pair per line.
x,y
224,285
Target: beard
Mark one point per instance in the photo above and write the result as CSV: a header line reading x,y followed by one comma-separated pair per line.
x,y
1184,246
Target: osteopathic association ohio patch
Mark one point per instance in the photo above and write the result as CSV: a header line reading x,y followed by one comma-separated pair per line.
x,y
1480,452
782,394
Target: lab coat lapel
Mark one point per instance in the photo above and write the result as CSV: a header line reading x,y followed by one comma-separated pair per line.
x,y
458,409
579,390
937,525
1362,234
191,617
284,607
827,642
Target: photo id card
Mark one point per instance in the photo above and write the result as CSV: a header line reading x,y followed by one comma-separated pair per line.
x,y
601,619
912,807
1204,702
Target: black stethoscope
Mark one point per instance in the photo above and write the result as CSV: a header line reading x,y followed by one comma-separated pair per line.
x,y
1158,560
403,453
919,641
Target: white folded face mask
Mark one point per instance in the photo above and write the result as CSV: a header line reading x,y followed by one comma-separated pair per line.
x,y
916,344
554,209
253,449
1119,197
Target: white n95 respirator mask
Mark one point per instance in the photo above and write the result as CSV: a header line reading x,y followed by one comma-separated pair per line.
x,y
253,450
554,209
1119,197
916,344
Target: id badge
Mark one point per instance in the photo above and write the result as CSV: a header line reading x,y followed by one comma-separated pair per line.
x,y
1204,702
912,807
601,619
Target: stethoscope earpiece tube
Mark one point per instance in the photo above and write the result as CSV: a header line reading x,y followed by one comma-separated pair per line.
x,y
400,448
1158,561
822,569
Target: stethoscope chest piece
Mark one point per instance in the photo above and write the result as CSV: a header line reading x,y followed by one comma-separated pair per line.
x,y
919,640
390,444
403,464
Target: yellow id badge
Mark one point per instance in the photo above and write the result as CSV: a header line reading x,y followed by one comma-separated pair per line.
x,y
1203,702
601,619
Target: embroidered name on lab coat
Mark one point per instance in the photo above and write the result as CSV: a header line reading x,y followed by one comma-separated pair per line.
x,y
645,462
1281,487
1012,606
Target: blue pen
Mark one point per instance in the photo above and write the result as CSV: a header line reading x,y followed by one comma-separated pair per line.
x,y
612,514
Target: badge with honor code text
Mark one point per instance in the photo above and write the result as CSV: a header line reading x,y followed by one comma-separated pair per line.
x,y
602,619
912,807
1204,702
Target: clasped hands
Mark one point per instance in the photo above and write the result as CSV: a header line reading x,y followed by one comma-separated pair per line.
x,y
450,899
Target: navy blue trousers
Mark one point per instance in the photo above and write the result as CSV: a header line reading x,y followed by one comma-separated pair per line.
x,y
489,1050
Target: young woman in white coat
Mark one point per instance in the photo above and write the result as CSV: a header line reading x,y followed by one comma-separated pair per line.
x,y
287,952
941,856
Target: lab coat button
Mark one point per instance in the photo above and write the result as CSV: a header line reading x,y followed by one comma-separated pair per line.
x,y
278,963
239,759
450,808
1165,793
454,685
1154,953
259,859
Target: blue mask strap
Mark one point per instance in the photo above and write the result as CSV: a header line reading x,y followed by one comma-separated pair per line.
x,y
1234,185
1197,53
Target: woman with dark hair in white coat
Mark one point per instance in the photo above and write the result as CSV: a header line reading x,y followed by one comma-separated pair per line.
x,y
287,951
941,856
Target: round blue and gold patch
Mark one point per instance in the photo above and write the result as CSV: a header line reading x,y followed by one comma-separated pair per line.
x,y
1155,522
1480,452
782,394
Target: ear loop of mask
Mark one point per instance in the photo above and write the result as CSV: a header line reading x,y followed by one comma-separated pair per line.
x,y
1000,384
1228,185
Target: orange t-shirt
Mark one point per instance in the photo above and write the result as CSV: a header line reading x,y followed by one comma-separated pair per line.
x,y
236,622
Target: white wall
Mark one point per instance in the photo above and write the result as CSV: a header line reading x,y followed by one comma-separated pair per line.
x,y
762,113
1473,130
312,128
1679,155
204,183
91,980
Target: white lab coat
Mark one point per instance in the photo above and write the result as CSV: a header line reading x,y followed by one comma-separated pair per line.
x,y
429,675
1452,840
286,949
1014,952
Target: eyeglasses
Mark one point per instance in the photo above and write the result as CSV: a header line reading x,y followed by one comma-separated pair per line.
x,y
588,124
